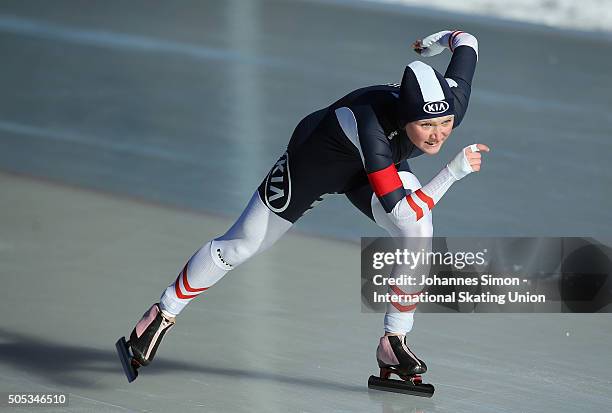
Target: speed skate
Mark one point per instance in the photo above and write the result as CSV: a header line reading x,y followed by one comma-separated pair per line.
x,y
144,341
130,365
394,357
412,385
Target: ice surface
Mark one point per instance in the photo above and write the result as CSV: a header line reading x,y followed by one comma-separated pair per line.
x,y
132,132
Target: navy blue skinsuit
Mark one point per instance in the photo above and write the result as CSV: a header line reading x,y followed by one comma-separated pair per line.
x,y
321,159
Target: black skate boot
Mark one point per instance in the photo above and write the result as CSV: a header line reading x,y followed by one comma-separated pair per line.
x,y
394,357
144,341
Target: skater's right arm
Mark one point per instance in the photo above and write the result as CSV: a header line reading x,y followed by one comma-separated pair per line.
x,y
416,204
377,157
462,66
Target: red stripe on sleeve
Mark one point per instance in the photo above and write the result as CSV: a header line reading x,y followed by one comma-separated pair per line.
x,y
417,209
385,181
400,307
178,292
399,291
425,198
451,39
177,286
403,308
186,284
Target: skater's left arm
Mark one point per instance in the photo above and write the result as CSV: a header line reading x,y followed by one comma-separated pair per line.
x,y
462,66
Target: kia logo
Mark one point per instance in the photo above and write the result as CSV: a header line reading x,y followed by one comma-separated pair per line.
x,y
435,108
277,191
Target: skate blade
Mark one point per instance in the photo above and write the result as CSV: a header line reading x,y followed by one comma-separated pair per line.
x,y
126,359
400,386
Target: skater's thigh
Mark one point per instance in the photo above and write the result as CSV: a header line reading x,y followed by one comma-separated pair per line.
x,y
292,186
361,197
283,196
367,202
301,176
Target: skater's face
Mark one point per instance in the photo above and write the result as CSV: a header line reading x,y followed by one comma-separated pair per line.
x,y
429,134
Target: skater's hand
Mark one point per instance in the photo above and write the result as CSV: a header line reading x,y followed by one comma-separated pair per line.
x,y
467,161
433,44
475,158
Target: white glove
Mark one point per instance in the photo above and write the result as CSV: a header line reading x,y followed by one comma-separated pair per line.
x,y
460,167
433,44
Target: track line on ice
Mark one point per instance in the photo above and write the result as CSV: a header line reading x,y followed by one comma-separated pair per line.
x,y
75,137
145,44
132,42
113,40
70,394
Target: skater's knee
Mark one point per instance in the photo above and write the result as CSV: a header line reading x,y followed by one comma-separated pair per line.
x,y
402,222
406,226
423,228
409,180
231,253
255,231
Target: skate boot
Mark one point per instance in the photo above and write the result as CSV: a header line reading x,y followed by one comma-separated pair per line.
x,y
394,357
144,341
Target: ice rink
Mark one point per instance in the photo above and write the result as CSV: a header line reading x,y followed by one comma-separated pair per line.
x,y
132,133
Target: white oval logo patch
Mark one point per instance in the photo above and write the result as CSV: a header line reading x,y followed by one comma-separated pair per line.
x,y
278,185
436,108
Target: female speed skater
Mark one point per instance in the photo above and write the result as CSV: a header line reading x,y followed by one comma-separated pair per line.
x,y
354,147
